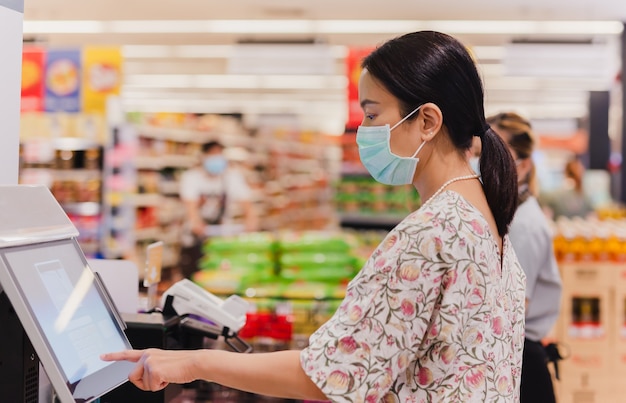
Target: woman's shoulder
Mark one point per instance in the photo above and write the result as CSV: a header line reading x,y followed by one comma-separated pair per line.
x,y
448,207
448,221
447,203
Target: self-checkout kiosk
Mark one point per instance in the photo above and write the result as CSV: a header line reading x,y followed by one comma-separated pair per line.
x,y
56,310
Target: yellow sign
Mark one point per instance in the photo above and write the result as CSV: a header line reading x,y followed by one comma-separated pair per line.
x,y
102,77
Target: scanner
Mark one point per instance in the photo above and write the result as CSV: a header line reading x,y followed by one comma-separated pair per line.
x,y
206,314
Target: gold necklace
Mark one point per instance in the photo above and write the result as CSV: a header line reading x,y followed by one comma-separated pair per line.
x,y
442,188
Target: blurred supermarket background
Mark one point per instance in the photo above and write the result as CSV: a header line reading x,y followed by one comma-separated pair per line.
x,y
118,97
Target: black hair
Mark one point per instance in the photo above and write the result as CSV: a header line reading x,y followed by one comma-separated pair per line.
x,y
428,66
206,147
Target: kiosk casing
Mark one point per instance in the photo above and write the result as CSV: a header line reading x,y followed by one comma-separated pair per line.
x,y
58,302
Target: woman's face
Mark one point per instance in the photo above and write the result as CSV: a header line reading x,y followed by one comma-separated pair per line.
x,y
381,108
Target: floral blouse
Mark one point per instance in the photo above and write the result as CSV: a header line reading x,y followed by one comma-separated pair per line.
x,y
431,317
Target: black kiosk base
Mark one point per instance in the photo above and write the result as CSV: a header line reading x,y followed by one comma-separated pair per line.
x,y
19,365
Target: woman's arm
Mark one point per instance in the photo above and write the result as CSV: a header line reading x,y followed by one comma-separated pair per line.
x,y
276,374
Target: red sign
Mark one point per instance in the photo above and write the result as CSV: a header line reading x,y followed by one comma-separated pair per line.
x,y
353,64
32,79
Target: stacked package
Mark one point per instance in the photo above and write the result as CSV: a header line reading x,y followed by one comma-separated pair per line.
x,y
316,264
231,264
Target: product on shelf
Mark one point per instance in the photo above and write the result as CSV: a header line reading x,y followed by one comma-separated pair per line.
x,y
231,264
586,322
299,168
120,184
72,168
590,240
295,280
285,264
315,257
363,195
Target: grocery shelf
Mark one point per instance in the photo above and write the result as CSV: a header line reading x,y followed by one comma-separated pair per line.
x,y
148,233
170,237
82,208
170,259
146,199
74,144
89,248
284,170
148,162
170,216
154,162
77,174
169,187
192,136
354,169
179,161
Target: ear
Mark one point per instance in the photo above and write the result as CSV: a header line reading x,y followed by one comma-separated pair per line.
x,y
430,121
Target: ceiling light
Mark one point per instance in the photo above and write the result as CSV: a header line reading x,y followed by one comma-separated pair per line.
x,y
236,81
63,27
313,27
201,51
489,52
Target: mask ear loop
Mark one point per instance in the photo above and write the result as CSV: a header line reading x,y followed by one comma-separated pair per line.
x,y
418,149
406,117
400,122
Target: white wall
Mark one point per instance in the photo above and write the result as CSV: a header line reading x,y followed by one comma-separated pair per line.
x,y
11,18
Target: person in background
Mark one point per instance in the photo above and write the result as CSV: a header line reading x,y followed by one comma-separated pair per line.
x,y
532,240
437,311
570,200
212,193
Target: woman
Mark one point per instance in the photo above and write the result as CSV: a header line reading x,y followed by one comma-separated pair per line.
x,y
532,240
570,200
437,312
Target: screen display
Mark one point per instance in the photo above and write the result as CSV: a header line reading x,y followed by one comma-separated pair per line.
x,y
61,293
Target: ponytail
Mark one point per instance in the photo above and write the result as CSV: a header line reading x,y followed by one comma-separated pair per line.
x,y
499,179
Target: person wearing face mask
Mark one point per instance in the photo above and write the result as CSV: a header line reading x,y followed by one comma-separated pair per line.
x,y
211,193
532,240
437,311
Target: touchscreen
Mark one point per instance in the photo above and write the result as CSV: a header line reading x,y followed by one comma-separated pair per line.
x,y
62,295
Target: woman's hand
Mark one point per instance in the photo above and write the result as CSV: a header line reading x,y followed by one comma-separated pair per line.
x,y
157,368
277,374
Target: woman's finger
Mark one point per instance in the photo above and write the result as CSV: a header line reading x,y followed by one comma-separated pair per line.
x,y
126,355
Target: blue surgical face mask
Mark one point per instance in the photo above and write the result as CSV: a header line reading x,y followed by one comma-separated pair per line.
x,y
215,164
375,153
475,164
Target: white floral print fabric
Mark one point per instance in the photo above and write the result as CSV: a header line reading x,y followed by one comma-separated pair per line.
x,y
432,316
